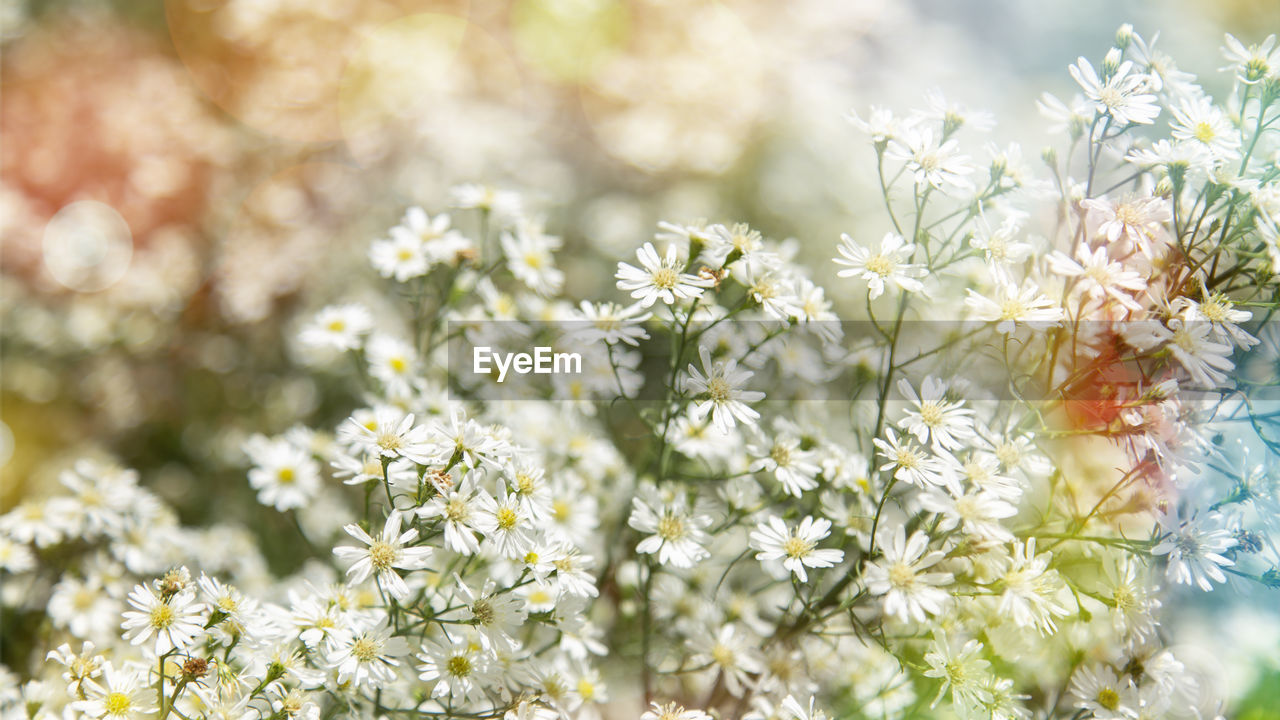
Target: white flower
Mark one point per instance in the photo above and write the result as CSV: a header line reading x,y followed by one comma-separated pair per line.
x,y
393,362
732,651
367,658
285,475
459,510
83,607
383,555
793,710
934,418
660,279
612,323
1136,223
504,522
402,256
794,468
459,668
796,548
175,621
720,392
122,694
1001,246
937,164
1222,313
902,577
910,463
1198,120
390,434
961,668
495,615
338,327
1099,278
1206,361
672,711
1030,589
1122,96
528,254
976,512
888,264
1103,694
880,124
675,533
1195,549
504,204
1014,305
1251,64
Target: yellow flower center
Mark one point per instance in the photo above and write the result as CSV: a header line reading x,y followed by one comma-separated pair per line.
x,y
931,414
796,547
670,527
117,703
161,616
880,265
507,518
1108,698
364,649
665,278
719,390
382,555
285,476
458,666
1204,132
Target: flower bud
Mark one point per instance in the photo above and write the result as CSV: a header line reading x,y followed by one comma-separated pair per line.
x,y
1124,36
1111,63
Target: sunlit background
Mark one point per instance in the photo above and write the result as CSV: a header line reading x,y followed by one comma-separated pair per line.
x,y
181,181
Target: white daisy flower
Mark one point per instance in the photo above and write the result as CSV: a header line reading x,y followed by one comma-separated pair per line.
x,y
1098,276
459,668
497,616
392,362
1254,63
612,323
1135,223
720,392
1031,588
887,264
504,521
175,621
676,534
402,256
797,548
338,327
529,257
382,555
901,575
672,711
285,475
1195,548
938,164
1122,95
660,278
795,469
1098,690
459,510
367,658
934,418
390,434
1013,305
120,694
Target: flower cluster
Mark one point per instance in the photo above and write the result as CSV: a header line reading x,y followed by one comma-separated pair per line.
x,y
987,515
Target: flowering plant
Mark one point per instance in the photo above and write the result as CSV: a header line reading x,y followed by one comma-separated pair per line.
x,y
739,506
